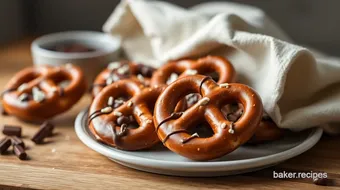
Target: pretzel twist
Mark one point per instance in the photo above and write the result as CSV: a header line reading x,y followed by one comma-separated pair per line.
x,y
33,94
122,70
172,128
104,116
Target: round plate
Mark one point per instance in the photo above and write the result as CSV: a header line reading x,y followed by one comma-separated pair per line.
x,y
162,161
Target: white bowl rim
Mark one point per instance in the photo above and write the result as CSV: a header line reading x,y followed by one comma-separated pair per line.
x,y
313,137
76,35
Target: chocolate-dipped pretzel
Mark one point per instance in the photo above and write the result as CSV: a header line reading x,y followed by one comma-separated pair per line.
x,y
37,93
204,66
112,123
122,70
172,127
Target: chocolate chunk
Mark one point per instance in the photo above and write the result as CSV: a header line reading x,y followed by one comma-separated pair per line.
x,y
5,143
44,131
50,127
320,181
19,151
12,130
145,70
18,141
123,120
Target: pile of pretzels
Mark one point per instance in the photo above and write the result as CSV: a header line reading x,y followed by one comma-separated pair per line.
x,y
194,107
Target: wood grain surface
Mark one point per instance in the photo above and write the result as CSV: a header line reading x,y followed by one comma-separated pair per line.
x,y
63,162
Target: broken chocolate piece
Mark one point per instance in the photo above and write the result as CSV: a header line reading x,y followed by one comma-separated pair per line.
x,y
19,151
11,130
50,127
44,131
5,143
17,141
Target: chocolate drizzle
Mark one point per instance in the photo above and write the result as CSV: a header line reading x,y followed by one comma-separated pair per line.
x,y
174,115
172,133
195,135
203,80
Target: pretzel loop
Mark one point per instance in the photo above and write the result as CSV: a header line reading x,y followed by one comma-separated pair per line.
x,y
139,104
227,135
206,65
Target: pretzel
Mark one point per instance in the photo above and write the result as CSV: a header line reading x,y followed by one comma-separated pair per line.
x,y
266,131
110,117
122,70
210,64
33,94
172,127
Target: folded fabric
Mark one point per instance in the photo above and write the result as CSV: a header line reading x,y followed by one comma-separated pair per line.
x,y
299,87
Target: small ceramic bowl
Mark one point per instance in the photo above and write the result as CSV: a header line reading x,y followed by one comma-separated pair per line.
x,y
100,49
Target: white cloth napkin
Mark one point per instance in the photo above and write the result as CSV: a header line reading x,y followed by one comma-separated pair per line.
x,y
299,87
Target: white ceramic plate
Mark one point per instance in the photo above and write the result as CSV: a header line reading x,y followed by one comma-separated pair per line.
x,y
162,161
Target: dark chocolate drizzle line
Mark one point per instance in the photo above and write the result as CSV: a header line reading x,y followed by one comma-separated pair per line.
x,y
174,115
172,133
94,115
7,91
190,138
203,80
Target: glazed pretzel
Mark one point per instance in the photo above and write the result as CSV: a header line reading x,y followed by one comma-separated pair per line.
x,y
175,69
122,70
33,94
172,126
104,116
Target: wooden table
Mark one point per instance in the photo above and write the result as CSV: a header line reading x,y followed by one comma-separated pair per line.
x,y
65,163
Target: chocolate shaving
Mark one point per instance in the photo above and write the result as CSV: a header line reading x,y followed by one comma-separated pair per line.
x,y
174,115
